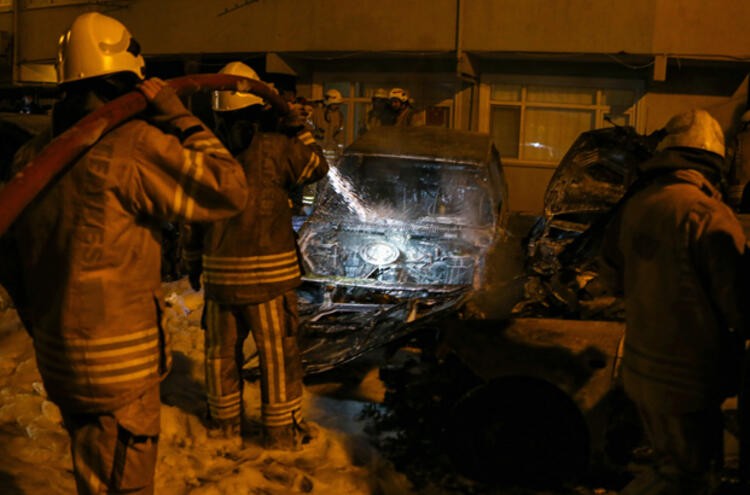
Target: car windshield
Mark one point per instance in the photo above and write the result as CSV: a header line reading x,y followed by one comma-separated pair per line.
x,y
375,188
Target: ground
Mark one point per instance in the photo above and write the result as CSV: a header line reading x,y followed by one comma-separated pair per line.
x,y
34,456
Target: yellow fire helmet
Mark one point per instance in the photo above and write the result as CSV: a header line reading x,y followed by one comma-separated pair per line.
x,y
333,97
97,45
398,94
228,100
694,129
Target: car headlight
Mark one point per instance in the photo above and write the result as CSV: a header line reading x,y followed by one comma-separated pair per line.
x,y
379,253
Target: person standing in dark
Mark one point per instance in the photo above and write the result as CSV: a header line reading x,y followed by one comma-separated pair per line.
x,y
328,123
250,271
85,256
379,114
400,107
678,251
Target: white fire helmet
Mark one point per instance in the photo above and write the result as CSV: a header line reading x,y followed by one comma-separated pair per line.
x,y
694,129
398,94
228,100
97,45
333,97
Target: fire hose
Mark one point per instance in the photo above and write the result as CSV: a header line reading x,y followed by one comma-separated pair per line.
x,y
62,151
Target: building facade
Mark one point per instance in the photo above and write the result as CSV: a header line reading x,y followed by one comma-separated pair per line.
x,y
532,73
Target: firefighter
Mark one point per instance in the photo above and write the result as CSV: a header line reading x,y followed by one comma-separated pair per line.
x,y
379,114
400,107
678,250
88,251
250,272
328,121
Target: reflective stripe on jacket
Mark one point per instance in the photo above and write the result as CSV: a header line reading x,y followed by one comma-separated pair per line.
x,y
252,258
90,249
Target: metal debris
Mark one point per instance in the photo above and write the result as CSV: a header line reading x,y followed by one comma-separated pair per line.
x,y
591,178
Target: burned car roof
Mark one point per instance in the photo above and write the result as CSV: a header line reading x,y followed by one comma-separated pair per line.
x,y
399,235
437,143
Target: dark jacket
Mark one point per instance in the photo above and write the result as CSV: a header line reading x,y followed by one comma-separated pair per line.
x,y
88,251
252,257
679,252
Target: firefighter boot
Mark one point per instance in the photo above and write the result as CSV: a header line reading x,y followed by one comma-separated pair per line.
x,y
227,432
289,437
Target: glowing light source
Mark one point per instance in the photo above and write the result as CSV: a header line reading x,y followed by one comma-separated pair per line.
x,y
379,253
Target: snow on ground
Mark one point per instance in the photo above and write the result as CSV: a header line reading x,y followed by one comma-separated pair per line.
x,y
34,455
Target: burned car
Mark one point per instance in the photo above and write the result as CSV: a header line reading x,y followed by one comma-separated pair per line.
x,y
591,179
534,396
399,236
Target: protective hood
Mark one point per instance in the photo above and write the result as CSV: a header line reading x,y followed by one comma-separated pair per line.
x,y
711,165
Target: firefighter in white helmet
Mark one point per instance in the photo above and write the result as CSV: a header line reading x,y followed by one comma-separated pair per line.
x,y
86,254
250,270
678,250
378,114
328,122
400,107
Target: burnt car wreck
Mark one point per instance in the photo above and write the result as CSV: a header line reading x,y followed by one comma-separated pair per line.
x,y
591,179
538,391
399,236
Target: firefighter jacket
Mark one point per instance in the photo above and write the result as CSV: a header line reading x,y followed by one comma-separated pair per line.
x,y
329,127
89,252
405,117
678,249
377,117
252,258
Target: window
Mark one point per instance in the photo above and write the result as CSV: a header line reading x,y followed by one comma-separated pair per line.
x,y
536,122
433,96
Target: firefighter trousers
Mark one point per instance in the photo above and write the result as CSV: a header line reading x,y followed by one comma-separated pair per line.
x,y
688,453
273,325
115,452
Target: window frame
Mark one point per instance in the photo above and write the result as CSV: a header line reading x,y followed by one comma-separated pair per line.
x,y
388,81
598,107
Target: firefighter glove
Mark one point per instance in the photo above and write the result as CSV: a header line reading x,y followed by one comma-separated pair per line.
x,y
162,98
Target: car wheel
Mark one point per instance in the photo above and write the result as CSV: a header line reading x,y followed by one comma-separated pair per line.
x,y
518,430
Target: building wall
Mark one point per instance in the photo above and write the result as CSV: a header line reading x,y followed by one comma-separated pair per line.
x,y
701,28
180,27
688,27
679,28
526,186
554,26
